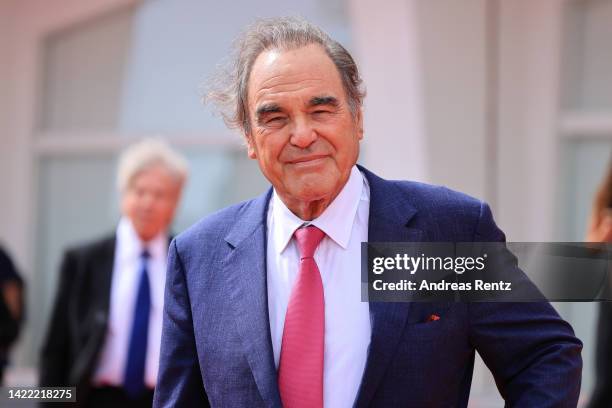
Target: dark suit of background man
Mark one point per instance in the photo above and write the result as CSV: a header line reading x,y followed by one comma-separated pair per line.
x,y
11,308
105,329
263,299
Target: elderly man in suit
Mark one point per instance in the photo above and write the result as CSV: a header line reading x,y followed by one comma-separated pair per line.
x,y
105,329
263,299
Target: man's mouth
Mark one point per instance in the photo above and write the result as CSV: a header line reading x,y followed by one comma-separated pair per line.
x,y
308,159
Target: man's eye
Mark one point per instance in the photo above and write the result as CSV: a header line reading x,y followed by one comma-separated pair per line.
x,y
275,119
321,112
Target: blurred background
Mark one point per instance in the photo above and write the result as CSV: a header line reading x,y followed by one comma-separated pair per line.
x,y
508,101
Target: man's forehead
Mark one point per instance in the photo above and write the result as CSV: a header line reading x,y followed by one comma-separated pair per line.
x,y
278,57
305,69
269,57
155,173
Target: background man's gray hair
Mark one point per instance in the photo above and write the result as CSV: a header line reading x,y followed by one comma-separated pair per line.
x,y
145,154
228,89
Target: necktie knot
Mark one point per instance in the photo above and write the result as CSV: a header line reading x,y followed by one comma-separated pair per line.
x,y
145,254
308,239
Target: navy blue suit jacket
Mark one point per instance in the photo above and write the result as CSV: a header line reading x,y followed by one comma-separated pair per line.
x,y
216,342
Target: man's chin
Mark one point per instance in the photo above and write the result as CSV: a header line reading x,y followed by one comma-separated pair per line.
x,y
145,234
312,192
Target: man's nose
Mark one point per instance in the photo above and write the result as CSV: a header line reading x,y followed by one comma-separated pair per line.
x,y
147,201
303,133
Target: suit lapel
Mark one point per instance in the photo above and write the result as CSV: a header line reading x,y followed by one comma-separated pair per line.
x,y
390,213
245,270
103,277
96,292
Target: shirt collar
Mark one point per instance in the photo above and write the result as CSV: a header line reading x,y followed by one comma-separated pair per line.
x,y
336,220
129,244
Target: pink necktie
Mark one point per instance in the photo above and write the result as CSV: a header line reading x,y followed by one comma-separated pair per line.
x,y
300,374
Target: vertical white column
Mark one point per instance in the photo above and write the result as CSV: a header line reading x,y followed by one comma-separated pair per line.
x,y
387,51
530,50
455,80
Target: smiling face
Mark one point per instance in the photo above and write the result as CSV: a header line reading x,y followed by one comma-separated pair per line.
x,y
303,133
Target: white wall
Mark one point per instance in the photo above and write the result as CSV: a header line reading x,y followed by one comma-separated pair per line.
x,y
453,52
12,233
387,51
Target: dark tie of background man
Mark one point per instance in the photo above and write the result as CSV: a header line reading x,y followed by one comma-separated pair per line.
x,y
134,383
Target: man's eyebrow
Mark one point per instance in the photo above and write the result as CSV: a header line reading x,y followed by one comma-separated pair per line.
x,y
324,100
267,108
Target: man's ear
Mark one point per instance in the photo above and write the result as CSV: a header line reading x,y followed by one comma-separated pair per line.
x,y
359,123
251,152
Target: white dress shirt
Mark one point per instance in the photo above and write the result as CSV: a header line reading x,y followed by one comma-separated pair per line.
x,y
126,278
338,256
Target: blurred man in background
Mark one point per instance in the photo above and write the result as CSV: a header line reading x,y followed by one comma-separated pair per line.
x,y
105,328
11,307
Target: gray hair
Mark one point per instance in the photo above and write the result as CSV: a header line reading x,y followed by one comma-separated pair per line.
x,y
145,154
228,88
